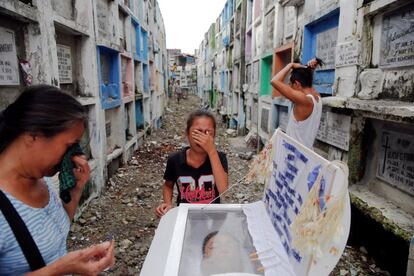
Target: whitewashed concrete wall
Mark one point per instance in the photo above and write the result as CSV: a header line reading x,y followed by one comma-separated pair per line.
x,y
80,20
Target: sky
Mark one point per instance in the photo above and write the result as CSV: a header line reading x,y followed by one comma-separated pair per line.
x,y
186,21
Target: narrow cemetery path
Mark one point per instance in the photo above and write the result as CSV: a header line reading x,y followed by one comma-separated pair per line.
x,y
126,209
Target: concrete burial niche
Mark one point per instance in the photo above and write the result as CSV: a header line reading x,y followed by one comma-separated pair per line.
x,y
383,193
266,237
280,114
248,46
114,131
388,169
136,39
127,78
109,77
139,115
122,29
13,46
281,107
146,76
130,129
269,29
282,56
115,138
144,44
70,50
266,76
320,39
264,119
103,13
393,52
147,111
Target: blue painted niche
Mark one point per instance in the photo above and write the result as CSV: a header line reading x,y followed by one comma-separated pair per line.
x,y
109,77
139,114
144,48
323,79
137,29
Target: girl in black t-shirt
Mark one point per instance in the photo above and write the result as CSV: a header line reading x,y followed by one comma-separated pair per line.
x,y
199,171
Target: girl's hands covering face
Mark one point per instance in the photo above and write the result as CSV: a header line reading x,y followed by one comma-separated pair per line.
x,y
204,140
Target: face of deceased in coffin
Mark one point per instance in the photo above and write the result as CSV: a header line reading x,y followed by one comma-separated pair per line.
x,y
222,253
220,245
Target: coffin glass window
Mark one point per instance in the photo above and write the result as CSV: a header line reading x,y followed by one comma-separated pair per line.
x,y
217,242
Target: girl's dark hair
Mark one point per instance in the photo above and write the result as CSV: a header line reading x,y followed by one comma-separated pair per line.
x,y
304,75
39,110
206,239
199,113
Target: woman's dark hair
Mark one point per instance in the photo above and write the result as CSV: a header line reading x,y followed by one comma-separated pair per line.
x,y
304,75
39,110
199,113
206,239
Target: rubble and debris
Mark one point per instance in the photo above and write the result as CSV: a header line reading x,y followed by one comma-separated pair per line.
x,y
231,132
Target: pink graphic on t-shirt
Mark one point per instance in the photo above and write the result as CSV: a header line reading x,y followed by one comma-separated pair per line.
x,y
196,193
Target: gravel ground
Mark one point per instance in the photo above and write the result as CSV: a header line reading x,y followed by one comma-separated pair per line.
x,y
126,209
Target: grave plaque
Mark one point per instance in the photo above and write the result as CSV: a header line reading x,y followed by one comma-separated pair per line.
x,y
290,21
397,38
64,63
334,129
347,54
396,160
325,47
9,70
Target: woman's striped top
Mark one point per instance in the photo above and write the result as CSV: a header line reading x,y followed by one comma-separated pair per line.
x,y
49,227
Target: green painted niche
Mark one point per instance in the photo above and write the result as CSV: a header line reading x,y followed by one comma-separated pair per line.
x,y
266,75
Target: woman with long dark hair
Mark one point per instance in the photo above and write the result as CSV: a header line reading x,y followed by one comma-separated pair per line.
x,y
306,114
35,133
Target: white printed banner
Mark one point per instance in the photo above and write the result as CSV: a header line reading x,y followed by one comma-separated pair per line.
x,y
295,172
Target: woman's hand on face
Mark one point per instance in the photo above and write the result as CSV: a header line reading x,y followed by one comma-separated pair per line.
x,y
92,260
204,140
81,171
